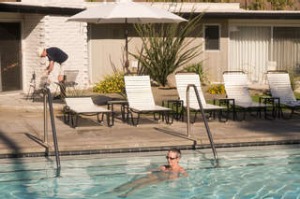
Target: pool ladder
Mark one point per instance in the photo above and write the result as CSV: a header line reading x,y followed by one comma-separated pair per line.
x,y
48,98
203,116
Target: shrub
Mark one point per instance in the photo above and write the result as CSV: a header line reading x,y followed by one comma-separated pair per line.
x,y
294,77
111,84
216,89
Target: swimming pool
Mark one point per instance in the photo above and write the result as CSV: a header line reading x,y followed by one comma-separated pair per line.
x,y
254,172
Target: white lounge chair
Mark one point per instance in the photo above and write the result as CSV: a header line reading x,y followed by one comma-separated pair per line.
x,y
281,89
76,106
140,99
182,81
237,91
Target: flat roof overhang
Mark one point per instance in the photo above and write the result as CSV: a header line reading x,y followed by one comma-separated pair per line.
x,y
34,9
248,15
220,14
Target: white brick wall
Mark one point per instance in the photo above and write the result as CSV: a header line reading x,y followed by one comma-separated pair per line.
x,y
54,31
32,34
71,37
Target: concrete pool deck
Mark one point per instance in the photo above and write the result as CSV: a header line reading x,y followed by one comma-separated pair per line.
x,y
22,132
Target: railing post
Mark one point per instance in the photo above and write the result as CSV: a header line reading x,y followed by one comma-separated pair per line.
x,y
188,114
45,121
203,116
48,98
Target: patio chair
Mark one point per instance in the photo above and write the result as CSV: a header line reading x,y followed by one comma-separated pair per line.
x,y
238,94
141,101
182,82
32,91
76,106
281,90
69,81
35,90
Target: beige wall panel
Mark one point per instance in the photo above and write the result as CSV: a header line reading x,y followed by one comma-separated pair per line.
x,y
107,50
216,62
107,47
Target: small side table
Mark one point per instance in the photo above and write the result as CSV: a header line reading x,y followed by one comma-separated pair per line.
x,y
227,102
275,102
124,107
176,105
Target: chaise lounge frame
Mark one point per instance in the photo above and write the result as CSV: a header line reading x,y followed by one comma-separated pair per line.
x,y
141,101
76,106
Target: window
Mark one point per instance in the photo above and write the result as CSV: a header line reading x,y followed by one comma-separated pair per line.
x,y
212,37
286,48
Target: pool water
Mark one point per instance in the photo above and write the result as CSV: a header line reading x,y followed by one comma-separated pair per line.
x,y
254,172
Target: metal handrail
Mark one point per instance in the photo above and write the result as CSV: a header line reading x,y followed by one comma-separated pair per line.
x,y
203,116
48,98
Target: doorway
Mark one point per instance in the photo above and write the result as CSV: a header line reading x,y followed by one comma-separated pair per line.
x,y
10,57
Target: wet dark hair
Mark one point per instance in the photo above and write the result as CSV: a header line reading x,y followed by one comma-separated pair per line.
x,y
177,151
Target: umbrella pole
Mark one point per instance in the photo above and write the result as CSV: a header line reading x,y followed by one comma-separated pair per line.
x,y
126,46
126,50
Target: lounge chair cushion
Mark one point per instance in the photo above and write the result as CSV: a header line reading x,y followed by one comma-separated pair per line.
x,y
182,81
280,87
84,105
236,86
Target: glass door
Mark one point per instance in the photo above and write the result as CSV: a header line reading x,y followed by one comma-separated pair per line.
x,y
250,50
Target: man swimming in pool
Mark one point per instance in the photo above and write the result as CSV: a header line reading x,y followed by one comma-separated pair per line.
x,y
173,156
167,172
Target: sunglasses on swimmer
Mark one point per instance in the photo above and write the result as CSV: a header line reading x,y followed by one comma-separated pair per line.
x,y
167,157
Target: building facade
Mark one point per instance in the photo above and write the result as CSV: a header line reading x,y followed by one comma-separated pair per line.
x,y
232,38
23,32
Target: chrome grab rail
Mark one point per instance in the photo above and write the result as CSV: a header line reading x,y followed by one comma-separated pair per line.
x,y
48,98
203,116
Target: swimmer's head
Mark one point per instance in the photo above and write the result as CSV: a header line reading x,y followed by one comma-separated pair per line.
x,y
177,151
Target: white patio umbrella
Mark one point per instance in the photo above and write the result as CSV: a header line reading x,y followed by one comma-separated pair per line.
x,y
125,12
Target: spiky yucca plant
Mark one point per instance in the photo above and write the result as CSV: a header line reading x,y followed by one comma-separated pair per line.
x,y
167,47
